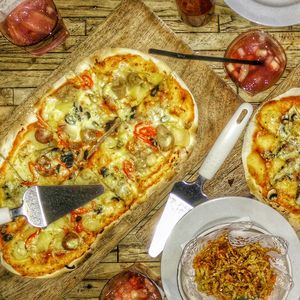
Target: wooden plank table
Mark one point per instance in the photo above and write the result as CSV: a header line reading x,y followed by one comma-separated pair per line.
x,y
21,73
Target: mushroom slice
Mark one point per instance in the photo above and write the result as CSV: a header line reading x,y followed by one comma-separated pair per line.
x,y
164,138
133,79
43,135
119,87
70,241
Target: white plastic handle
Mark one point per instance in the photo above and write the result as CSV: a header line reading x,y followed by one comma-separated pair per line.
x,y
5,216
226,141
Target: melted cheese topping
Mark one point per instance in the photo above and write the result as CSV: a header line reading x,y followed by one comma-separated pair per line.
x,y
274,160
76,146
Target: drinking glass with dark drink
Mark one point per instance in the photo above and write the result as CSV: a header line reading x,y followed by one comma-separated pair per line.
x,y
195,12
33,24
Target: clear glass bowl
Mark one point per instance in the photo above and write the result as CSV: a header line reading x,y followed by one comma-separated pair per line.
x,y
135,285
255,45
239,234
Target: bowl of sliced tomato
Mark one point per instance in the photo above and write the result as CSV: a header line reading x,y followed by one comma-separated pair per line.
x,y
130,285
255,45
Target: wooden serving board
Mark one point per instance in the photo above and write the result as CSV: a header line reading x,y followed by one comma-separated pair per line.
x,y
133,25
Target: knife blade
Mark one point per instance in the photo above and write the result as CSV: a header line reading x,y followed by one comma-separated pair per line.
x,y
185,195
43,205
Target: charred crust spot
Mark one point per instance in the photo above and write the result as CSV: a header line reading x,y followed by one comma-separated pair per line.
x,y
70,267
88,255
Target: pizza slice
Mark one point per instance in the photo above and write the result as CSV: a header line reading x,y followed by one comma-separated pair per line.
x,y
11,188
271,156
73,116
36,252
38,160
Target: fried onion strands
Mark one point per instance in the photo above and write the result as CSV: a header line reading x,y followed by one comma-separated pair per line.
x,y
228,273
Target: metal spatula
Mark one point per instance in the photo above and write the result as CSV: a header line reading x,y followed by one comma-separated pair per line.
x,y
185,195
44,204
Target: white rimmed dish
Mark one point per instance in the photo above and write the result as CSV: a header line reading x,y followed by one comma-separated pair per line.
x,y
268,12
220,212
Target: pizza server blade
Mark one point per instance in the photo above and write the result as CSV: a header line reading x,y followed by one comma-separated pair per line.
x,y
186,195
44,204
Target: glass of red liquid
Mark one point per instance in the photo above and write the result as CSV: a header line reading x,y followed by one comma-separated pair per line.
x,y
195,12
130,285
255,45
33,24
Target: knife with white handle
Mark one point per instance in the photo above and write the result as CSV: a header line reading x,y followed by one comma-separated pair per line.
x,y
186,195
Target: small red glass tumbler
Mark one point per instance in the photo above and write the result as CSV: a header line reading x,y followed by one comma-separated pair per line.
x,y
256,45
195,12
33,24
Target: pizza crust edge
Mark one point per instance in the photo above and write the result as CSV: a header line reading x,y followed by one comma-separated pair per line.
x,y
29,117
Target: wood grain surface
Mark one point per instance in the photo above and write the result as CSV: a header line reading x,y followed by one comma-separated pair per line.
x,y
94,24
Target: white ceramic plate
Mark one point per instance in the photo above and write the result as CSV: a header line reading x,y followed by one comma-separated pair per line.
x,y
268,12
223,211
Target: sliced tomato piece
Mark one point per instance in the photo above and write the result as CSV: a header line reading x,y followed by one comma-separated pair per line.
x,y
32,172
83,81
146,133
74,218
80,211
129,169
87,81
31,237
78,227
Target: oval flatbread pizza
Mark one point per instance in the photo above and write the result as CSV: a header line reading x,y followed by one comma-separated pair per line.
x,y
271,154
122,119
